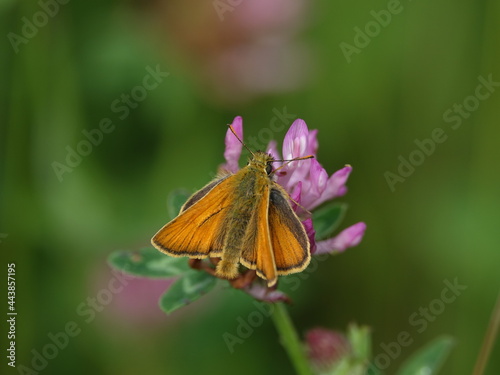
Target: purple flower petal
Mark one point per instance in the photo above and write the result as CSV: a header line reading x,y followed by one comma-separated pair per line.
x,y
295,196
311,234
233,146
297,143
336,183
315,185
296,172
272,149
263,293
335,187
312,144
296,140
319,177
349,237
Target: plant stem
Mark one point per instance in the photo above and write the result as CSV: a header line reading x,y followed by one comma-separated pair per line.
x,y
290,339
489,340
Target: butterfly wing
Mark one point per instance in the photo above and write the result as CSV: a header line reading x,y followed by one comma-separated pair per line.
x,y
199,229
289,239
203,191
257,253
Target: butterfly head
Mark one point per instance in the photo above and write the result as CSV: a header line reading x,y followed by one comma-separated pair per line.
x,y
262,161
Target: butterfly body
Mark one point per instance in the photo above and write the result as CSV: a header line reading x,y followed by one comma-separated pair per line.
x,y
253,186
242,218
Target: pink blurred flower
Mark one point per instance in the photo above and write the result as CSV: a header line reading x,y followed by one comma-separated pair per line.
x,y
233,146
325,347
139,301
239,50
125,299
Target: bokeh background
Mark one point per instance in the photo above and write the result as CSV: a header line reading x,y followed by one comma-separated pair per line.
x,y
251,59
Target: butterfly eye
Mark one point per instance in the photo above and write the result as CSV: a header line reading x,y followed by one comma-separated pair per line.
x,y
269,168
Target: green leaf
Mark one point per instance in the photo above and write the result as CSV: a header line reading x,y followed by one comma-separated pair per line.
x,y
346,366
328,218
148,262
175,201
191,286
361,342
428,360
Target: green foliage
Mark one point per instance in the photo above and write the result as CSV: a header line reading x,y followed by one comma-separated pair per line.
x,y
175,201
429,359
328,218
148,262
187,289
360,340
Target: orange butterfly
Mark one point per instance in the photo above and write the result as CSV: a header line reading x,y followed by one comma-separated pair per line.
x,y
244,218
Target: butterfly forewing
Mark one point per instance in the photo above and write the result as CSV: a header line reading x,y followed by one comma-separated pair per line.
x,y
202,192
199,229
288,237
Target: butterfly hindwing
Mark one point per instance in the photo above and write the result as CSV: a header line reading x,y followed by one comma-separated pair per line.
x,y
288,237
257,253
199,229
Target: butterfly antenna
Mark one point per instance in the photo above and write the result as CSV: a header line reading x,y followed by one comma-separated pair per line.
x,y
238,138
289,161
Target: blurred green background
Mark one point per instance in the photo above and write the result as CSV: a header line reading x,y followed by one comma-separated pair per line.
x,y
250,58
